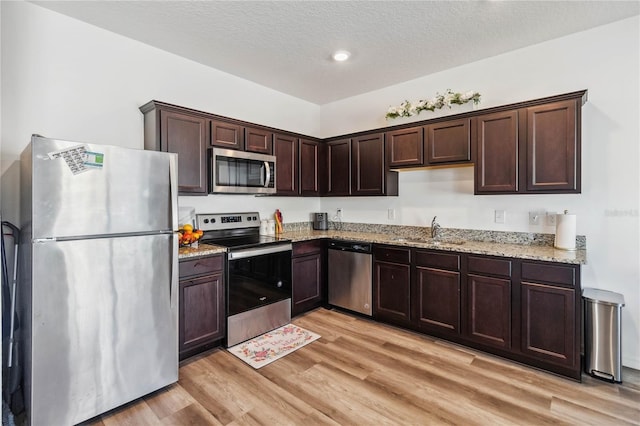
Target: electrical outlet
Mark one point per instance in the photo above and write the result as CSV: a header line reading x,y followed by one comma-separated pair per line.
x,y
339,213
551,219
391,214
499,216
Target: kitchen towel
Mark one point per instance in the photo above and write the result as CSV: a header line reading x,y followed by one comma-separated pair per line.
x,y
565,231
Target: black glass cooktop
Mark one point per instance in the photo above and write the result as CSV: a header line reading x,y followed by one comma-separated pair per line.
x,y
244,241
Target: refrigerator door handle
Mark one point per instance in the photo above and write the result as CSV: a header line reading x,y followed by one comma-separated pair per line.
x,y
173,288
173,182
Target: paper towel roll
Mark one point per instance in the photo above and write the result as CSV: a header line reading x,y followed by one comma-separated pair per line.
x,y
565,231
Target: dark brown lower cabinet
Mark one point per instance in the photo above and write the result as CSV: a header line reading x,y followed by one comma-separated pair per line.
x,y
307,274
489,310
201,305
549,325
392,285
437,300
489,306
436,295
524,310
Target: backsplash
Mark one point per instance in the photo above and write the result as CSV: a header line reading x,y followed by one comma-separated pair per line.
x,y
525,238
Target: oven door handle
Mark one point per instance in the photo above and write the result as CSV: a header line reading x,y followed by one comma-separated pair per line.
x,y
253,252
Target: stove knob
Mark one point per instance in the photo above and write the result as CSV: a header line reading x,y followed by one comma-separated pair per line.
x,y
206,221
213,221
255,218
249,218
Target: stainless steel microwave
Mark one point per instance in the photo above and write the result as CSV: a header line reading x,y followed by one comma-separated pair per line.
x,y
239,172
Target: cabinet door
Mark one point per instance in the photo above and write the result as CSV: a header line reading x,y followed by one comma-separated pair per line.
x,y
310,167
391,292
553,154
437,300
285,148
187,136
307,277
201,318
448,142
368,169
549,323
258,140
496,144
227,135
339,167
489,310
405,147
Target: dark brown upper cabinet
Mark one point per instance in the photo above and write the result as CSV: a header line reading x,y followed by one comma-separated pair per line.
x,y
339,168
496,141
285,148
312,167
226,134
369,173
184,132
405,147
448,142
258,140
534,149
553,160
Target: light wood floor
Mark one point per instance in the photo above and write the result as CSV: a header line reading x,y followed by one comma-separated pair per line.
x,y
364,373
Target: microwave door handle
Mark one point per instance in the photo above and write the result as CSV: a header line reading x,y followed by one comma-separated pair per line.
x,y
267,169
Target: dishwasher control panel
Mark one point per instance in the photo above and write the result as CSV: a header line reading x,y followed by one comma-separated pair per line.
x,y
350,246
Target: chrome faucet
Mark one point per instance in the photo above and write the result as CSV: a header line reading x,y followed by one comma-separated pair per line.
x,y
435,226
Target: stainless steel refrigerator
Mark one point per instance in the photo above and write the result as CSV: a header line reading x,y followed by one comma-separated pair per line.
x,y
99,276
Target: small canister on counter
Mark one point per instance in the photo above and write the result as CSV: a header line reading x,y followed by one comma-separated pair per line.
x,y
271,227
264,227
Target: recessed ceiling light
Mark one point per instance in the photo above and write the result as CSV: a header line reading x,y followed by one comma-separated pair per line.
x,y
341,55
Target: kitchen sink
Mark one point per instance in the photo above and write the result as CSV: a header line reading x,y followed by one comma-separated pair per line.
x,y
410,240
454,242
428,241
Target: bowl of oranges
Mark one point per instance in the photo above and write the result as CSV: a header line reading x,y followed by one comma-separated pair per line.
x,y
187,235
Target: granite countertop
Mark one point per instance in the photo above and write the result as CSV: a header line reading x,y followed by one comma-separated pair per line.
x,y
200,250
519,251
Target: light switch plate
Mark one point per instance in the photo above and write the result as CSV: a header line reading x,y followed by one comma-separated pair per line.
x,y
391,214
500,216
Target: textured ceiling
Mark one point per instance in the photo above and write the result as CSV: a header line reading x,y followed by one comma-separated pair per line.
x,y
287,45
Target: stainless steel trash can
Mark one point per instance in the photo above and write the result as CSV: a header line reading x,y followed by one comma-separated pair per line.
x,y
602,344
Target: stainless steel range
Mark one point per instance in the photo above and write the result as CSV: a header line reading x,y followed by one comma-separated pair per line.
x,y
258,274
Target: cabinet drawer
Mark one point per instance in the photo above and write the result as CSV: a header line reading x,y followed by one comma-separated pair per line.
x,y
307,247
484,265
395,255
200,266
549,273
437,260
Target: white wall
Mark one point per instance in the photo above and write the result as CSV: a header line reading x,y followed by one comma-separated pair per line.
x,y
605,61
66,79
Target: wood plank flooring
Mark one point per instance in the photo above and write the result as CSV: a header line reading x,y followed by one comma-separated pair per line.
x,y
364,373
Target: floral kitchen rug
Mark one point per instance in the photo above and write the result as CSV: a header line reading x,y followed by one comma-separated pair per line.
x,y
265,349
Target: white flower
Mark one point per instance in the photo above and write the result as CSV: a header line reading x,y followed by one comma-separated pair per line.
x,y
408,109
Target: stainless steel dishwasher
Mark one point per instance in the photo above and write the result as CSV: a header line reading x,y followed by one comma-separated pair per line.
x,y
350,273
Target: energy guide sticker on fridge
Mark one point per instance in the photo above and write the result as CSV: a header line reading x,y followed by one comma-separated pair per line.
x,y
94,160
78,159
